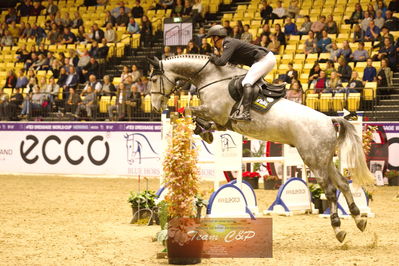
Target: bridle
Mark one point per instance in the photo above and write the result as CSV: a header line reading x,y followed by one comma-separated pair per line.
x,y
160,71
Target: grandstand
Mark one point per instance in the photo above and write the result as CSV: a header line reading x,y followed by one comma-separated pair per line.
x,y
379,100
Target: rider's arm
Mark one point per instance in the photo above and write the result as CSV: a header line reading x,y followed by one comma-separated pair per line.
x,y
228,49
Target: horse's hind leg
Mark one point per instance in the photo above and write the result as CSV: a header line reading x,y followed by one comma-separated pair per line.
x,y
343,186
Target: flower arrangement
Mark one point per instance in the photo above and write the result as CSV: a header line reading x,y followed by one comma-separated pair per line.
x,y
368,138
181,171
391,174
250,175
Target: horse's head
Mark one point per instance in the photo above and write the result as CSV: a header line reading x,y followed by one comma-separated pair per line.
x,y
161,85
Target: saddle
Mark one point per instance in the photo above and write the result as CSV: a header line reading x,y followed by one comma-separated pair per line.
x,y
266,94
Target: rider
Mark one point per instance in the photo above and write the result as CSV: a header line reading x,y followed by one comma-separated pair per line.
x,y
260,60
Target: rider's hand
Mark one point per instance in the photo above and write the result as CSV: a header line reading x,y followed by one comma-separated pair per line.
x,y
213,58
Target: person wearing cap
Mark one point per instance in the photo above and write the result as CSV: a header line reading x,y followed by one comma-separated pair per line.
x,y
260,60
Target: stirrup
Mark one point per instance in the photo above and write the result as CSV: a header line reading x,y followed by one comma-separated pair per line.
x,y
244,116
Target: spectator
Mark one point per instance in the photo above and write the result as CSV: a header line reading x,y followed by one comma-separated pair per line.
x,y
345,51
58,19
72,79
388,52
167,52
291,73
265,30
358,34
11,79
51,8
137,10
192,48
3,105
109,19
205,47
318,26
33,103
133,102
391,22
384,75
117,11
354,85
94,84
344,71
359,55
142,85
38,33
96,34
108,88
289,27
110,34
52,89
187,9
293,9
266,12
92,68
383,34
323,42
305,27
279,34
279,11
22,80
77,21
68,37
370,9
24,8
62,77
120,104
370,73
372,32
133,27
122,19
379,20
295,92
333,84
103,50
246,35
26,31
314,73
310,45
84,59
88,103
331,26
94,49
36,9
66,21
178,9
29,62
54,35
320,84
236,33
125,74
72,102
14,30
164,4
274,45
264,41
136,73
7,39
128,81
146,32
41,64
366,21
199,36
12,16
356,16
14,104
179,50
197,13
393,6
226,25
329,68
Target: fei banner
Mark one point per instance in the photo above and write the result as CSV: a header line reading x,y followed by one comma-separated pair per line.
x,y
127,149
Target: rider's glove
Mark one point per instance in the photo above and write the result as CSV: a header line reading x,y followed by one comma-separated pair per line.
x,y
213,58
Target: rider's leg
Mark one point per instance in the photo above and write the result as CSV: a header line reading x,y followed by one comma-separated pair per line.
x,y
257,70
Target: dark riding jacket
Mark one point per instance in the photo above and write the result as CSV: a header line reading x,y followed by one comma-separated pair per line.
x,y
239,53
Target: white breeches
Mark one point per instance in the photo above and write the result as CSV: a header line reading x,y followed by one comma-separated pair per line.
x,y
260,69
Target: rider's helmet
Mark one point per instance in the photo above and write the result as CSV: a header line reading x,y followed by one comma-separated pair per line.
x,y
217,30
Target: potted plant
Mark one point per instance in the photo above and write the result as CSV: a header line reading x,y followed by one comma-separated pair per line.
x,y
271,182
393,177
252,178
182,179
143,204
316,191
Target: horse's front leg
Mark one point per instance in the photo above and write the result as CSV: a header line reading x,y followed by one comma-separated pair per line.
x,y
203,122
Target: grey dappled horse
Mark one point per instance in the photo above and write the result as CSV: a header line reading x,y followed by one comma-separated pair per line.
x,y
311,132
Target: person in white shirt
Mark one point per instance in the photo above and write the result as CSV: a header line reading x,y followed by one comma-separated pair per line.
x,y
279,11
94,83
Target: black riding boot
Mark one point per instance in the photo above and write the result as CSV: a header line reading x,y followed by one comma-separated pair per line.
x,y
246,103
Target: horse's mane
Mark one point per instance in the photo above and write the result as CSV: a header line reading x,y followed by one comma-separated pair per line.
x,y
194,56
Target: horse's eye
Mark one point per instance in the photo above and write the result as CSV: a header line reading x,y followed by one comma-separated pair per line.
x,y
154,79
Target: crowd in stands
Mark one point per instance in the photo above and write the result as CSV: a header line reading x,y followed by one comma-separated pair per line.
x,y
32,92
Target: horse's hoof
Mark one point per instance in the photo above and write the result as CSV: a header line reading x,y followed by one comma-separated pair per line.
x,y
207,137
341,236
361,224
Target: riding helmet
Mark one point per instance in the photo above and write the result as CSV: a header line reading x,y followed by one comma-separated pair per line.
x,y
217,30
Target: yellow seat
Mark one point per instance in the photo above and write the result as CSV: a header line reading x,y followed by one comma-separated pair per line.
x,y
353,102
312,100
338,102
325,102
104,103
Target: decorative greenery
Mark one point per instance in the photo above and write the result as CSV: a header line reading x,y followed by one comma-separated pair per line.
x,y
180,169
315,191
368,138
391,174
250,175
255,153
143,200
369,195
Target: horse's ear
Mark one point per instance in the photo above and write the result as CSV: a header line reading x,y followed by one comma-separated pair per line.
x,y
153,62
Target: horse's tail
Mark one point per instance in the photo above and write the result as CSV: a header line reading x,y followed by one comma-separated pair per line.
x,y
351,145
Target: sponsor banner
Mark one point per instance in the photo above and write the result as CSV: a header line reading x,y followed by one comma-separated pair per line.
x,y
220,238
116,149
